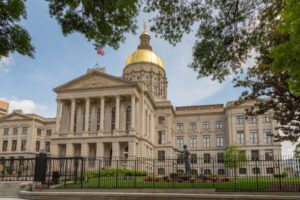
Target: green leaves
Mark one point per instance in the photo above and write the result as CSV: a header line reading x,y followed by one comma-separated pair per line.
x,y
286,55
13,37
233,158
101,21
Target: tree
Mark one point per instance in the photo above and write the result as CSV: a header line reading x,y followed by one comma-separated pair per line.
x,y
104,22
13,37
286,55
297,151
228,33
233,158
101,21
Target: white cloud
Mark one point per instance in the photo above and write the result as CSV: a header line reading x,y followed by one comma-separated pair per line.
x,y
287,148
6,63
28,106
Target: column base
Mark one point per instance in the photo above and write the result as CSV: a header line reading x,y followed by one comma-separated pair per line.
x,y
100,133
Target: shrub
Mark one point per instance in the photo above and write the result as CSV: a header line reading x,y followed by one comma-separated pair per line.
x,y
283,175
113,172
173,175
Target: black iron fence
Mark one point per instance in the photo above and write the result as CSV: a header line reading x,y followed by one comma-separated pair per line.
x,y
271,174
21,169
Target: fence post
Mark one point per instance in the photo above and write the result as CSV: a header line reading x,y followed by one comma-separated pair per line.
x,y
117,173
234,163
40,167
99,173
81,173
135,173
278,162
4,168
256,174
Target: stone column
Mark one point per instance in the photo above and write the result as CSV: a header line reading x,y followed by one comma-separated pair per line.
x,y
58,115
69,149
117,113
84,150
133,112
131,149
72,117
87,115
100,150
116,149
102,107
53,149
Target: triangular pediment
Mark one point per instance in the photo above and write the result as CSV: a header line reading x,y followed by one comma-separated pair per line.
x,y
15,116
94,79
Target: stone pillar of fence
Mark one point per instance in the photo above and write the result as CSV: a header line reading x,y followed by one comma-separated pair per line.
x,y
40,167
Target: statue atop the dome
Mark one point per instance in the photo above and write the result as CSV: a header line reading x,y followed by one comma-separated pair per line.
x,y
145,26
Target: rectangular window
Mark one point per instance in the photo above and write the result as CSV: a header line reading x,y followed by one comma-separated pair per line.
x,y
161,155
268,138
4,145
221,171
193,141
206,125
5,131
24,130
193,126
220,157
253,137
161,137
219,124
206,157
242,171
256,170
267,118
161,119
180,126
179,142
14,145
47,147
23,145
252,119
206,141
179,158
37,146
161,171
269,155
239,119
39,132
240,139
193,158
15,130
254,155
49,132
270,170
220,141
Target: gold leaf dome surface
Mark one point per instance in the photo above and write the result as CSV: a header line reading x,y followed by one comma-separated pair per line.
x,y
144,56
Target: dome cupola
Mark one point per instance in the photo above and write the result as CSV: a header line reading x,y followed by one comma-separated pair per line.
x,y
144,53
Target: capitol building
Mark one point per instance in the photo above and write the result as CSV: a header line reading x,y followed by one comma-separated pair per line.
x,y
101,115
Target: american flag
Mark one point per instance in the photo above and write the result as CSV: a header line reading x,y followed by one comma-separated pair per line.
x,y
100,51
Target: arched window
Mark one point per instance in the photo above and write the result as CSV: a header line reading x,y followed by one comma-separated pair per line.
x,y
98,118
113,118
128,118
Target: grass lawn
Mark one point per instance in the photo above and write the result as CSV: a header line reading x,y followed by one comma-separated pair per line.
x,y
250,183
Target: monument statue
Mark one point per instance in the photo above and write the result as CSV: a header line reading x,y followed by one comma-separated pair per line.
x,y
186,159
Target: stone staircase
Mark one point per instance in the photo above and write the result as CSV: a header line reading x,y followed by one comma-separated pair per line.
x,y
12,188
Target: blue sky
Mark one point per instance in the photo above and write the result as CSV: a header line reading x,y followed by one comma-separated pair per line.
x,y
27,83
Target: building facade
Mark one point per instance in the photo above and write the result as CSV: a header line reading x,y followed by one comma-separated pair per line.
x,y
3,108
24,135
100,115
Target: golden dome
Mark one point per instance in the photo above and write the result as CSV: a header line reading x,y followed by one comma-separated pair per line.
x,y
146,56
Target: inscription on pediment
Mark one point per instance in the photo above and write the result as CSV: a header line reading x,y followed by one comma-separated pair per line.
x,y
93,82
